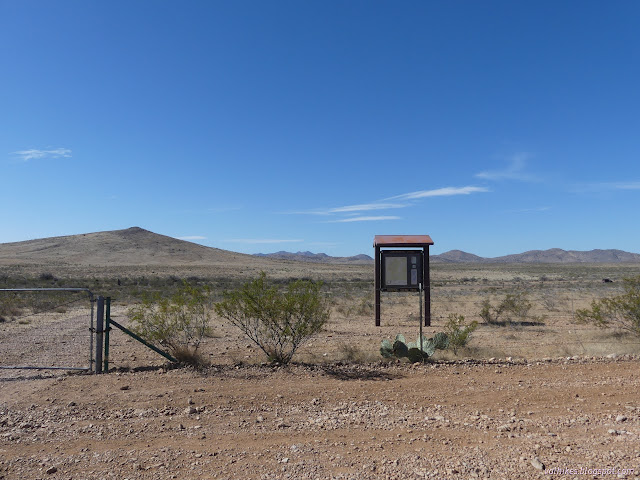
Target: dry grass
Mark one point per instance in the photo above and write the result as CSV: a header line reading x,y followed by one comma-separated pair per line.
x,y
555,292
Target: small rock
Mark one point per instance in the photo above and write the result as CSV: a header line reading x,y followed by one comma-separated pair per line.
x,y
51,470
125,387
537,464
190,410
190,401
613,431
621,418
504,428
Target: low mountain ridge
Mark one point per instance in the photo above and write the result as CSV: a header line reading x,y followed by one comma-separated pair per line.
x,y
132,246
316,257
139,247
552,255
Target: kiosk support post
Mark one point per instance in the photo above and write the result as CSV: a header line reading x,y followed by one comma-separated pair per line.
x,y
377,285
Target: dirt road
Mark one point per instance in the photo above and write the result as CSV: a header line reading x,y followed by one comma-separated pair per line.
x,y
502,420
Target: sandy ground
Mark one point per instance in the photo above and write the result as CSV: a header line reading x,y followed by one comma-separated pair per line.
x,y
498,420
519,402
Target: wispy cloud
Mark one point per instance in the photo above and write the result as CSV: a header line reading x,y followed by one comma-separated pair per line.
x,y
366,219
192,237
515,170
264,240
352,213
605,187
349,209
34,154
366,207
440,192
530,210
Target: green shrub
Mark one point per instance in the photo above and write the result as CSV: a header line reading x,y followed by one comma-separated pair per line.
x,y
513,307
277,320
622,311
178,323
458,331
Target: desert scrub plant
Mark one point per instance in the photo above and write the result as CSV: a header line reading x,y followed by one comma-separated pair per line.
x,y
9,307
458,331
178,322
277,320
513,307
621,311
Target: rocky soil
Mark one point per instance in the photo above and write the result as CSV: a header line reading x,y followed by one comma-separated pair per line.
x,y
493,419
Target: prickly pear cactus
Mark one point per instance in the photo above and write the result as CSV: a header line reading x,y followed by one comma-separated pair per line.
x,y
386,349
412,350
440,340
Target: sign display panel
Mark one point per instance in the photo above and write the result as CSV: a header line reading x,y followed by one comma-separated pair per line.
x,y
395,270
401,269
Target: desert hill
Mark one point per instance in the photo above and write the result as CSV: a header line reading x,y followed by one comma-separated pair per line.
x,y
132,246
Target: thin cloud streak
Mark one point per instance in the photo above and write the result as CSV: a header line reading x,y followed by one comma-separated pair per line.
x,y
349,209
26,155
385,204
440,192
366,219
514,171
367,207
605,187
192,237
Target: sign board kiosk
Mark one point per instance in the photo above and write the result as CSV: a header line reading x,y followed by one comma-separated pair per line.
x,y
403,268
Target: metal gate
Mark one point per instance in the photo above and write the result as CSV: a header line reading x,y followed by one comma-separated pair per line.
x,y
46,329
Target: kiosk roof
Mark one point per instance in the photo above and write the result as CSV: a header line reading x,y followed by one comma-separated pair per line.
x,y
402,240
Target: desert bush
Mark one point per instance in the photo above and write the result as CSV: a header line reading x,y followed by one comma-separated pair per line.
x,y
178,322
9,307
621,311
458,331
277,320
47,277
513,307
351,353
192,357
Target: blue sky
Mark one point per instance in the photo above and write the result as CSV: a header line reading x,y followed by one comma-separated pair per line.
x,y
255,126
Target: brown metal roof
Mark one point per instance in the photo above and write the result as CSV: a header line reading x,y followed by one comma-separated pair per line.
x,y
402,240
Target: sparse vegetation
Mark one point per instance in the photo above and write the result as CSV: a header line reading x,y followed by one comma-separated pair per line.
x,y
277,320
458,331
178,322
514,307
621,311
9,308
351,353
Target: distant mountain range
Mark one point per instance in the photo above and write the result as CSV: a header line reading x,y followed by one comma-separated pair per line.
x,y
317,257
553,255
136,246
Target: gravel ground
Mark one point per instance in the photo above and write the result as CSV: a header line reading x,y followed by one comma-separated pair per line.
x,y
494,419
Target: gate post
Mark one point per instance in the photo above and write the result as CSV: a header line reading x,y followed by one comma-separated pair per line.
x,y
107,328
99,333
